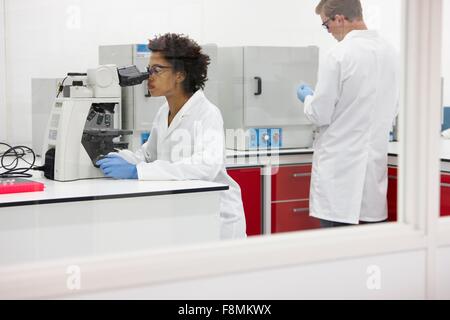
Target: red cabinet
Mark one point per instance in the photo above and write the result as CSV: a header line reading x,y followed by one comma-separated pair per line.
x,y
445,195
290,199
291,182
250,181
392,194
290,187
292,216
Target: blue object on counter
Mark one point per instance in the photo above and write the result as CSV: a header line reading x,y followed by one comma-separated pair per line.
x,y
446,119
144,137
253,133
276,141
263,138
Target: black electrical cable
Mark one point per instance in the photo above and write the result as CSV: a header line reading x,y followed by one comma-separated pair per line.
x,y
61,87
12,157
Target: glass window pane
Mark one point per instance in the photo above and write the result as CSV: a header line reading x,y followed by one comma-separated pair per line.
x,y
258,61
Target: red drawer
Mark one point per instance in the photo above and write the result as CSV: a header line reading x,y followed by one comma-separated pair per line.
x,y
445,195
445,178
392,171
392,194
292,216
291,183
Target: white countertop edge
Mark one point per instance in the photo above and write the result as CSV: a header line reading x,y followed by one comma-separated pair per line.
x,y
100,189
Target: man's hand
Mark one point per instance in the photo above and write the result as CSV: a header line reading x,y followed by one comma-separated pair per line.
x,y
114,166
304,91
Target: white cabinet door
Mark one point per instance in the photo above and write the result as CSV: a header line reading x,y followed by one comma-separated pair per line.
x,y
271,78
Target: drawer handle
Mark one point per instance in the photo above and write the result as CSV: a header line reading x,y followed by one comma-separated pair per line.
x,y
300,210
445,185
301,175
392,177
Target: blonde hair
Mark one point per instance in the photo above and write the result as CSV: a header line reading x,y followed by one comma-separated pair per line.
x,y
351,9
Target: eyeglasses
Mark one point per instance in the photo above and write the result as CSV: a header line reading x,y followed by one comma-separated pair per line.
x,y
156,69
325,24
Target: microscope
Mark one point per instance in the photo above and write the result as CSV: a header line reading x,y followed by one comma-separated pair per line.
x,y
84,124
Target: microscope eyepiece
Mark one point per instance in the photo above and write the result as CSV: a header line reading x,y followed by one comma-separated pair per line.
x,y
131,76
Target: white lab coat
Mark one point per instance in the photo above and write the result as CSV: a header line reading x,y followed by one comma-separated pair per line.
x,y
354,106
192,148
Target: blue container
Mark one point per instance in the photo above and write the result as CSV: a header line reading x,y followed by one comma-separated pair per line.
x,y
253,133
446,119
276,141
263,138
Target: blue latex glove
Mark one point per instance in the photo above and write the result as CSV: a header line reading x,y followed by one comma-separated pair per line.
x,y
116,167
304,91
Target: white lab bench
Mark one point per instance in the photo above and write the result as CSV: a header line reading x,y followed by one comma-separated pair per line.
x,y
104,216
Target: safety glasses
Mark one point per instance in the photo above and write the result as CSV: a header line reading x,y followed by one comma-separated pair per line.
x,y
157,69
325,24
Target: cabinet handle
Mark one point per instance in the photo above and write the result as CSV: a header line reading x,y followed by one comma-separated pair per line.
x,y
300,210
259,91
392,177
445,185
301,175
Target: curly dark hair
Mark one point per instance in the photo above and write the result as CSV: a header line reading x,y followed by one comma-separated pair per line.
x,y
184,55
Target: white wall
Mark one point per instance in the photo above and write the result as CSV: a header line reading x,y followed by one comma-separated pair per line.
x,y
443,273
49,38
397,276
3,114
446,52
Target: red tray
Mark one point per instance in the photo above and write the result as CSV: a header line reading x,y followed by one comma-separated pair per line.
x,y
19,185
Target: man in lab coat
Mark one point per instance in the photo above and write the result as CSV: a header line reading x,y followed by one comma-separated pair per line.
x,y
354,106
187,138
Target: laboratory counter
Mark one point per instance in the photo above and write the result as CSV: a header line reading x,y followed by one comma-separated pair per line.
x,y
444,156
252,158
104,189
104,216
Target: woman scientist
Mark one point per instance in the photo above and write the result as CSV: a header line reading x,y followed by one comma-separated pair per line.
x,y
187,138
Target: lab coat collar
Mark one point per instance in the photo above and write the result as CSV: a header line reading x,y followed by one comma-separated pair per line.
x,y
361,33
184,111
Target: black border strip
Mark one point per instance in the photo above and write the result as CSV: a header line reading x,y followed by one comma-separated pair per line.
x,y
111,197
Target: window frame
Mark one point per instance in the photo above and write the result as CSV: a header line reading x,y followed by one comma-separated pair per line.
x,y
3,105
